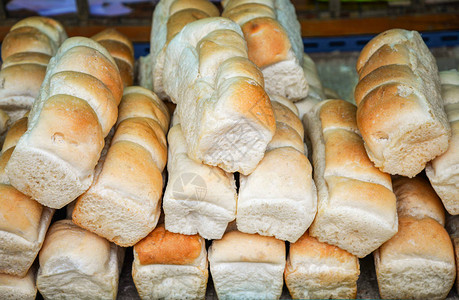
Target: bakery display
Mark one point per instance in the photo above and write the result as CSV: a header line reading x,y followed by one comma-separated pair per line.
x,y
443,170
400,111
54,160
224,111
418,262
77,264
273,36
170,266
26,51
247,266
122,51
356,206
18,288
317,270
124,202
279,198
198,198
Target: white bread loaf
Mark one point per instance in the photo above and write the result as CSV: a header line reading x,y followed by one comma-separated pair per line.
x,y
273,36
170,266
443,171
23,221
225,113
198,198
452,226
400,110
356,206
247,266
169,17
26,51
54,160
124,202
317,270
18,288
418,262
279,198
122,51
77,264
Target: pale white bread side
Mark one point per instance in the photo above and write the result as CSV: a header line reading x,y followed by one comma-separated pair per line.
x,y
452,226
169,17
247,266
77,264
199,198
356,206
144,72
423,253
400,109
443,171
124,202
416,198
26,51
18,288
54,160
23,225
225,113
273,36
170,266
317,270
279,198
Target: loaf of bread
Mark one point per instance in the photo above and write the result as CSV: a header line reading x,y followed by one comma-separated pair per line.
x,y
198,198
225,113
279,198
122,51
77,264
170,266
4,120
26,51
247,266
443,171
54,160
274,43
452,226
169,17
418,262
356,206
317,270
400,114
124,202
23,221
18,288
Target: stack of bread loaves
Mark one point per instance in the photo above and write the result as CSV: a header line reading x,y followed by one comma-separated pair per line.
x,y
54,160
452,225
124,202
273,36
26,51
23,226
443,171
399,81
418,262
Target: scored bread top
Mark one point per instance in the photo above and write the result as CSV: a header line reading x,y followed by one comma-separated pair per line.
x,y
236,246
417,198
168,248
203,5
51,27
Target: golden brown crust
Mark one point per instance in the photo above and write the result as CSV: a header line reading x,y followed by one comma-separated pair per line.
x,y
203,5
118,50
26,58
14,134
386,55
112,34
243,13
338,114
267,41
167,248
27,39
181,18
284,115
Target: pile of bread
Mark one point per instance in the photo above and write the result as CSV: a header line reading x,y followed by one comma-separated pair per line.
x,y
229,164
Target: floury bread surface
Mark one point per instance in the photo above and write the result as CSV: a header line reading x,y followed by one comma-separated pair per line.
x,y
356,206
279,198
273,36
124,202
225,113
54,160
170,266
169,17
443,171
199,198
26,51
400,110
18,288
78,264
